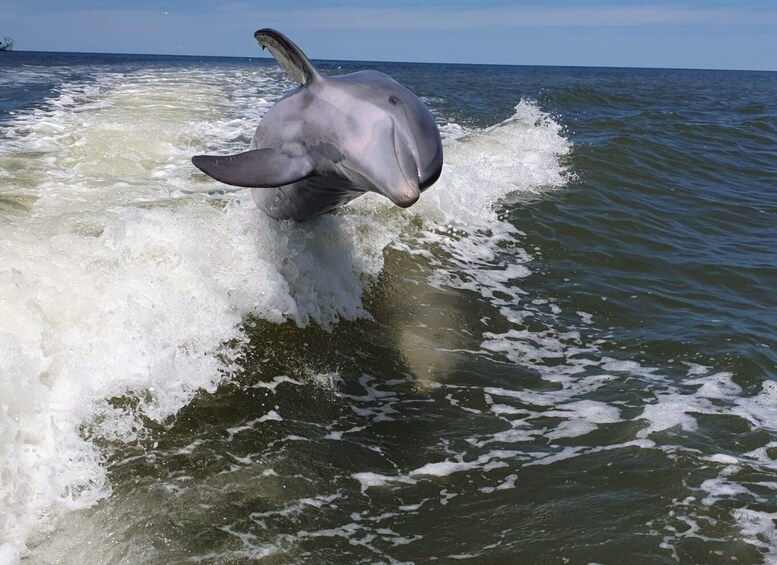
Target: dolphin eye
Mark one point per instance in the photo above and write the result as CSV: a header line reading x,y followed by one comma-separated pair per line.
x,y
393,99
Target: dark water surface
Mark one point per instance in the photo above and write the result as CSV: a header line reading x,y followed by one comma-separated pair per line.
x,y
566,352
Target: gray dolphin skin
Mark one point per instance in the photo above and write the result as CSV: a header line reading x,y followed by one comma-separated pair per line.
x,y
332,139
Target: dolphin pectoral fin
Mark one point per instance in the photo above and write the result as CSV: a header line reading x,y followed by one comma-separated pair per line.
x,y
255,168
289,56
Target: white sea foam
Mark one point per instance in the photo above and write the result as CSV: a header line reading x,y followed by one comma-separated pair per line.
x,y
100,297
122,277
369,479
537,418
486,461
114,284
520,154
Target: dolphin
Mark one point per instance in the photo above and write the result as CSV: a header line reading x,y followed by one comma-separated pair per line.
x,y
332,139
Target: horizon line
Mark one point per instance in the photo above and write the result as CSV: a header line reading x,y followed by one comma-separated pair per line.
x,y
272,60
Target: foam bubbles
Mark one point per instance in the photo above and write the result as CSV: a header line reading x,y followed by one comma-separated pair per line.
x,y
116,283
122,278
518,155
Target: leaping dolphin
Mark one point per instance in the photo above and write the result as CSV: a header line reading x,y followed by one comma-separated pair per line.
x,y
332,139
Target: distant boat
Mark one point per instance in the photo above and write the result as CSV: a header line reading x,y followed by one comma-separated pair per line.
x,y
6,44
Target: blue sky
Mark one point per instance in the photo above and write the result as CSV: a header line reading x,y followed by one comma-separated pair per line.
x,y
645,33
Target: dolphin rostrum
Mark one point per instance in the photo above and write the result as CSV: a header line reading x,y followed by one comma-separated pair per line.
x,y
332,139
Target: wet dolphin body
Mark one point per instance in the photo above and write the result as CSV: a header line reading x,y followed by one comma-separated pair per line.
x,y
332,139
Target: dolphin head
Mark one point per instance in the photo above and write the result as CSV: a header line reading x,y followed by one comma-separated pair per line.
x,y
392,145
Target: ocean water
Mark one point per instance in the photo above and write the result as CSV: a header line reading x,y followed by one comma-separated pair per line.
x,y
565,352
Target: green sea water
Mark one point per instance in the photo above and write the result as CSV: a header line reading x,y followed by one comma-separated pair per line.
x,y
563,353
